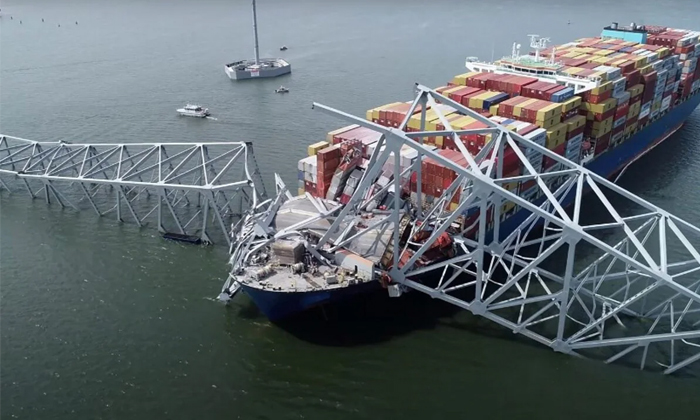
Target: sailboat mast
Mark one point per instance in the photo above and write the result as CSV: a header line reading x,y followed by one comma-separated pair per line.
x,y
255,31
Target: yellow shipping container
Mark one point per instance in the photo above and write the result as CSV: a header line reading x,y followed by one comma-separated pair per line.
x,y
519,107
548,112
450,90
630,128
331,134
663,52
461,79
601,74
314,148
571,104
646,69
602,125
301,191
602,88
547,124
656,105
640,61
508,206
574,70
493,110
634,110
617,62
460,123
477,102
600,108
575,122
375,111
603,53
636,90
556,136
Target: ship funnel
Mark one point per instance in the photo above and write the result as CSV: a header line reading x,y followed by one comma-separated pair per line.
x,y
614,25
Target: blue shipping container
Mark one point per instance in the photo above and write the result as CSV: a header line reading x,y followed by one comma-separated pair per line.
x,y
563,95
488,103
301,175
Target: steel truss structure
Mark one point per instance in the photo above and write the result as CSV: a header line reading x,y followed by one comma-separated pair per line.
x,y
190,189
612,277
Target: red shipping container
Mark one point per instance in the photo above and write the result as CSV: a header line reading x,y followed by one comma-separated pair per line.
x,y
596,99
589,66
597,116
537,89
560,150
493,82
602,143
548,94
526,185
573,133
548,162
618,130
621,111
633,78
465,98
329,153
459,94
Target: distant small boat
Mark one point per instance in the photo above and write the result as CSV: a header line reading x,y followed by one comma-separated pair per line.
x,y
281,89
194,111
283,48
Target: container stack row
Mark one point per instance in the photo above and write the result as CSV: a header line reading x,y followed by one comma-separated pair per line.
x,y
637,83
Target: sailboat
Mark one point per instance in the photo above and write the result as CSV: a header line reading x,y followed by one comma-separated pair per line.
x,y
257,67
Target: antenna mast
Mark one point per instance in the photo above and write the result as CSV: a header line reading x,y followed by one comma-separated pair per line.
x,y
538,44
255,31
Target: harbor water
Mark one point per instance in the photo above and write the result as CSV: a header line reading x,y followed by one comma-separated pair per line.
x,y
101,320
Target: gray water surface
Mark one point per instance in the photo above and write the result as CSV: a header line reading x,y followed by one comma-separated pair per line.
x,y
106,321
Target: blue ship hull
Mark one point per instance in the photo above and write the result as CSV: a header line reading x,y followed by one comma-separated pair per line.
x,y
279,305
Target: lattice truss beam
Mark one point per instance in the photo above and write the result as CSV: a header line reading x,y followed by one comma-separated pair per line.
x,y
612,276
186,188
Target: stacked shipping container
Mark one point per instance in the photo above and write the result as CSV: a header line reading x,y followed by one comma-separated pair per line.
x,y
638,82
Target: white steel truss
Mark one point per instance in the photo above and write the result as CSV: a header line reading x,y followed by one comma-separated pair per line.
x,y
612,277
190,189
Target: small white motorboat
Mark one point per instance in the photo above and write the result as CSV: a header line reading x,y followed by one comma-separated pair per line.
x,y
281,89
194,111
283,48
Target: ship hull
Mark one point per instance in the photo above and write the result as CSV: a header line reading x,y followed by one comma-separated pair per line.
x,y
279,305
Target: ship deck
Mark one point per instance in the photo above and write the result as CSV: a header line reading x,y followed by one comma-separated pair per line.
x,y
366,249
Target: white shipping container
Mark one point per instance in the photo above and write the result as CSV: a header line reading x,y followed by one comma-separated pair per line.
x,y
575,142
574,156
666,102
654,114
538,136
622,98
644,113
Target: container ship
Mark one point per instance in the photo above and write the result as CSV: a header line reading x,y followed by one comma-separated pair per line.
x,y
601,102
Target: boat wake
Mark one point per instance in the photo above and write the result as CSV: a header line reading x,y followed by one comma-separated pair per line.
x,y
212,118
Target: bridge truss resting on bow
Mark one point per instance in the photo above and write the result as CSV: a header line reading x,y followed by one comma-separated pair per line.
x,y
192,189
610,277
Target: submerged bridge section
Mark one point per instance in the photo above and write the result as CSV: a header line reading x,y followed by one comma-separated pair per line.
x,y
191,191
585,268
